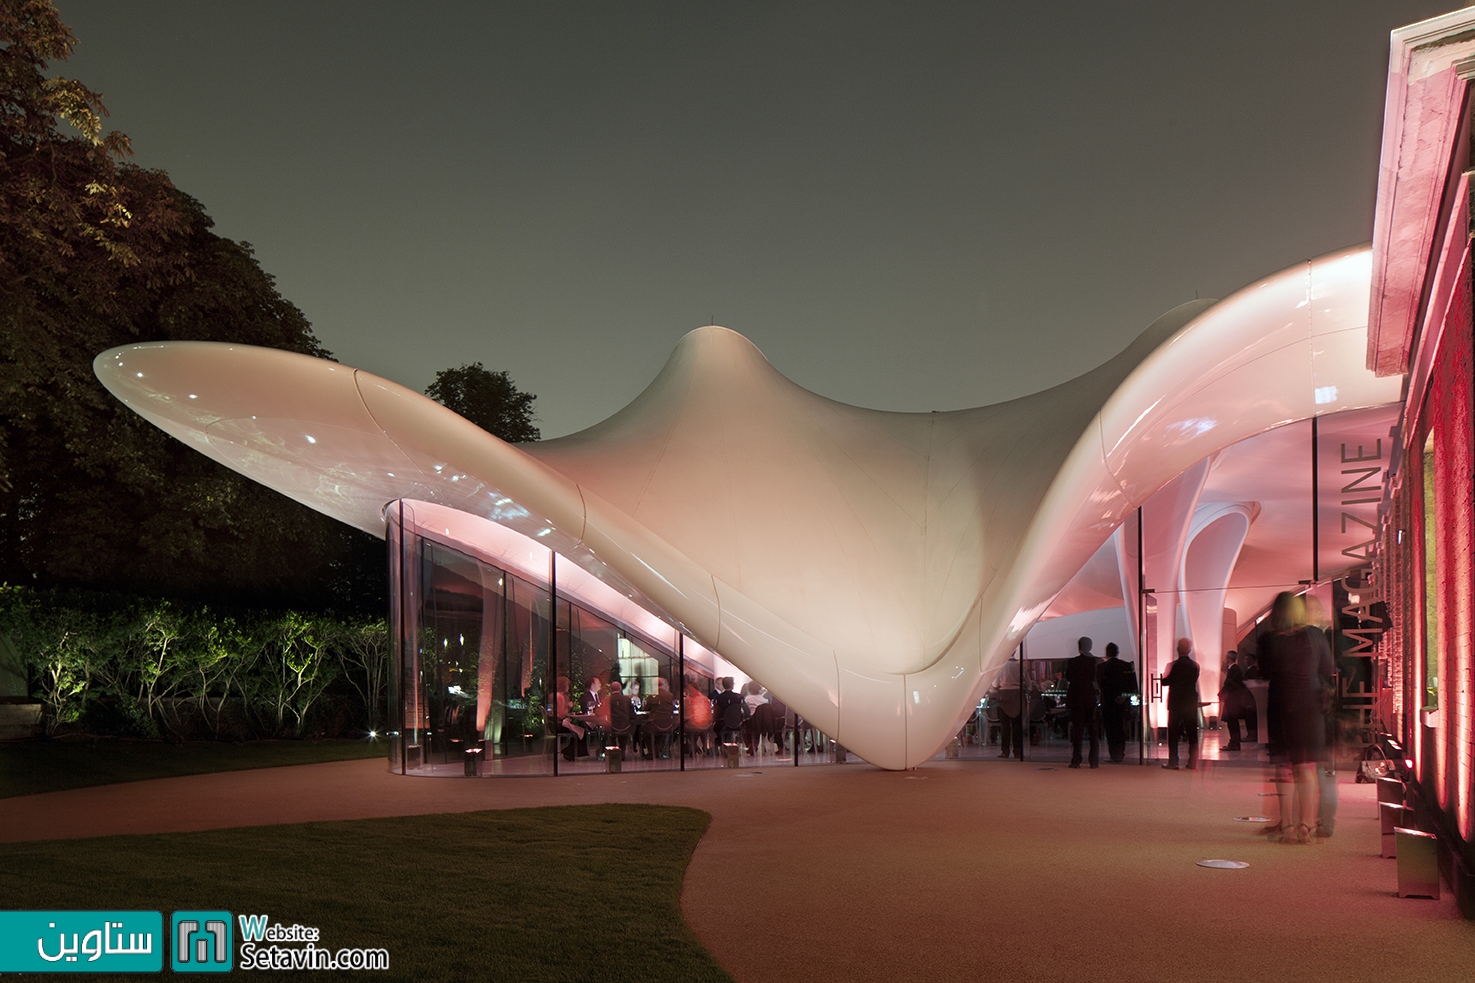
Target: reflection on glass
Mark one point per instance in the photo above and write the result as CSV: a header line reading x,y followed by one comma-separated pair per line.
x,y
523,684
474,693
471,646
1431,578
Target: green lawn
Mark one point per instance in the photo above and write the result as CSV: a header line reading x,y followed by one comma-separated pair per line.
x,y
527,895
27,767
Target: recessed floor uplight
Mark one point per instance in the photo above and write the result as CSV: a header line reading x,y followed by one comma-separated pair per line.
x,y
1224,864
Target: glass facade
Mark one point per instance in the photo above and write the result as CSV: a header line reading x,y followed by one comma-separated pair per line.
x,y
471,652
497,670
511,659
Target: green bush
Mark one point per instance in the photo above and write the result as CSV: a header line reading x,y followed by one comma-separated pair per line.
x,y
158,668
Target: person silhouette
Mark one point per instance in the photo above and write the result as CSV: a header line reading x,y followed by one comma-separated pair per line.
x,y
1117,681
1181,681
1082,702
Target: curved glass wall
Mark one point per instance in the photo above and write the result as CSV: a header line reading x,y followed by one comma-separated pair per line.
x,y
508,660
471,654
498,672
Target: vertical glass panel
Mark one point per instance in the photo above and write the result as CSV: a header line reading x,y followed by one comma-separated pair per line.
x,y
1154,663
393,534
1047,724
414,711
813,746
450,647
639,668
524,685
472,645
1431,580
586,657
697,718
647,674
491,707
591,657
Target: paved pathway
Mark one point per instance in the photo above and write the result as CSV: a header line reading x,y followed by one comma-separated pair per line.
x,y
976,871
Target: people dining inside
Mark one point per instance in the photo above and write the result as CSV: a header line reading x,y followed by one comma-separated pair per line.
x,y
660,721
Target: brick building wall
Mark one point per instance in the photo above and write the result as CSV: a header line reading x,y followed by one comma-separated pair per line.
x,y
1431,604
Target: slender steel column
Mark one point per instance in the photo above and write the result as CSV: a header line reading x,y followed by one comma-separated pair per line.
x,y
399,680
681,719
1316,576
1142,687
506,583
789,710
1024,715
553,651
1315,505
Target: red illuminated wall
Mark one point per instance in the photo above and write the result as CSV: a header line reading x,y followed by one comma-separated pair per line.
x,y
1398,584
1445,753
1449,411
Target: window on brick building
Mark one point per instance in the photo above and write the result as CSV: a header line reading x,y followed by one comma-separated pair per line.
x,y
1431,579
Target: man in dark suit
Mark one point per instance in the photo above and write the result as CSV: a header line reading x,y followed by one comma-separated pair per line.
x,y
1117,682
1081,702
730,711
1236,702
1181,680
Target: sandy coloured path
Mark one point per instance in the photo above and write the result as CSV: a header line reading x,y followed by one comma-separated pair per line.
x,y
964,870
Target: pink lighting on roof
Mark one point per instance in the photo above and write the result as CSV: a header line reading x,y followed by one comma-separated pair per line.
x,y
500,546
874,569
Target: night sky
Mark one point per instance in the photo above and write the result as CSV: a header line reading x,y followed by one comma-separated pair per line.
x,y
908,206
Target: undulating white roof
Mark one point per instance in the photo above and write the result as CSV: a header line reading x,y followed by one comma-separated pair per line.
x,y
873,569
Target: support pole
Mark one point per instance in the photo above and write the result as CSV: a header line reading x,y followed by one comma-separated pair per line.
x,y
1142,687
681,718
1315,505
398,714
1023,734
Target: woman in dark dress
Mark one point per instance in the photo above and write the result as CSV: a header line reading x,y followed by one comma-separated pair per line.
x,y
1297,660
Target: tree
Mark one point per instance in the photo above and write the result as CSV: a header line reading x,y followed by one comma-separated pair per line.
x,y
488,399
97,252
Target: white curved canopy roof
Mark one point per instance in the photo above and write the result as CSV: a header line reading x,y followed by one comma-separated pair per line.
x,y
874,569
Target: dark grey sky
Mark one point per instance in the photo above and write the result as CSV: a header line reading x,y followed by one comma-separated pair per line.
x,y
909,206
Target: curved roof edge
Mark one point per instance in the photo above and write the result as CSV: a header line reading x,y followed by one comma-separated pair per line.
x,y
873,568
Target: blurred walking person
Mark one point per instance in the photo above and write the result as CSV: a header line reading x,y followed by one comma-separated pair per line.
x,y
1301,668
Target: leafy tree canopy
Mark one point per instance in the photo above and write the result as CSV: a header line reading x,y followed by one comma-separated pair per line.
x,y
488,399
97,252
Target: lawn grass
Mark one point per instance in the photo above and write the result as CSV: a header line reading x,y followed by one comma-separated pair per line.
x,y
557,893
27,767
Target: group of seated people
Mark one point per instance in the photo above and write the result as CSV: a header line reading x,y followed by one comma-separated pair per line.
x,y
644,724
647,725
749,718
